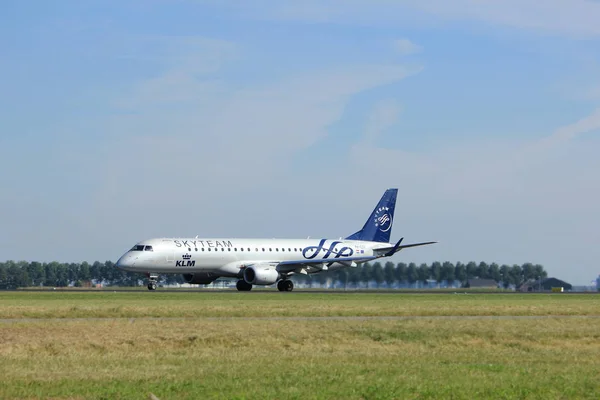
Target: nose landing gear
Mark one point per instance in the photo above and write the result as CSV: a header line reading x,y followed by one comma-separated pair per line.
x,y
152,282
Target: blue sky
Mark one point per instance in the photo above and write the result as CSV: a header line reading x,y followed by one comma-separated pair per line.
x,y
129,120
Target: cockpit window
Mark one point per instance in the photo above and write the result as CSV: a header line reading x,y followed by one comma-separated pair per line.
x,y
148,248
138,247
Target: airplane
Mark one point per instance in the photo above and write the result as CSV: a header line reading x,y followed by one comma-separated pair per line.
x,y
265,261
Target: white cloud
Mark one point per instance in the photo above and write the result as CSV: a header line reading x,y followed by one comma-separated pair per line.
x,y
569,132
566,17
593,93
406,47
190,64
221,148
383,116
194,54
176,87
504,201
563,17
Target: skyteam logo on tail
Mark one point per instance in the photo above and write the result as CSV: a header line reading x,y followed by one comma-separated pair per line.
x,y
383,219
378,226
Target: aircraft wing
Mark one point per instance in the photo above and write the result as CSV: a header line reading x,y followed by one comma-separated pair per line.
x,y
321,263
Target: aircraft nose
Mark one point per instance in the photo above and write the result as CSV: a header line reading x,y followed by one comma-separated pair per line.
x,y
126,261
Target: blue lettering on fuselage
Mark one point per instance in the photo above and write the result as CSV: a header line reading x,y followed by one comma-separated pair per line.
x,y
311,252
185,263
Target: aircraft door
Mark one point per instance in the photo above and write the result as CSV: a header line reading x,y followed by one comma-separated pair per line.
x,y
170,255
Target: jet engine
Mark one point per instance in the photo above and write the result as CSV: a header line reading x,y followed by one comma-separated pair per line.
x,y
200,278
261,275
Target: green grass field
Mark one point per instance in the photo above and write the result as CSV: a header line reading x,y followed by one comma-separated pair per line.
x,y
106,345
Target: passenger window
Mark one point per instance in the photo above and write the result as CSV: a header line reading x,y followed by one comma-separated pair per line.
x,y
209,249
249,249
270,249
263,249
196,249
189,249
229,249
289,249
222,248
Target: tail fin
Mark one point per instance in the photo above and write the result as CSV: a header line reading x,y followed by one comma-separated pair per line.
x,y
378,227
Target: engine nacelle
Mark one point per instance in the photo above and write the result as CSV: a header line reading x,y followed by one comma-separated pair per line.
x,y
261,275
200,278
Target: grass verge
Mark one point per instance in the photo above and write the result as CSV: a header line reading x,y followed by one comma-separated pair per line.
x,y
270,304
381,359
51,348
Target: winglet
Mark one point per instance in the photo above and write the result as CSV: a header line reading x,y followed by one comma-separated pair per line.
x,y
394,249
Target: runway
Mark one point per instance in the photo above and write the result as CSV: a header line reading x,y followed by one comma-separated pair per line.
x,y
457,291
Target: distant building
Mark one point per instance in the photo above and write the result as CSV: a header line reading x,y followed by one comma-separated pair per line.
x,y
545,284
481,284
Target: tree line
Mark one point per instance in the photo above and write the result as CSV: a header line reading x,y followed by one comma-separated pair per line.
x,y
438,274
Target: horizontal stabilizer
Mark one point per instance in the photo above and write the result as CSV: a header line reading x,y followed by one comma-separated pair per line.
x,y
390,251
406,246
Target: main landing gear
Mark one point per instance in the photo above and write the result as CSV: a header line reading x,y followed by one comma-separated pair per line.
x,y
152,282
282,286
243,286
285,286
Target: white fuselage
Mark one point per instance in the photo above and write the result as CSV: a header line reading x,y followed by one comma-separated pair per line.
x,y
228,257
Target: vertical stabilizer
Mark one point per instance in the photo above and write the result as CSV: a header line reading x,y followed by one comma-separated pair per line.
x,y
378,227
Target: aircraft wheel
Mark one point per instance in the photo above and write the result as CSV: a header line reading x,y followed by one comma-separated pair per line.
x,y
152,286
287,286
243,286
280,286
